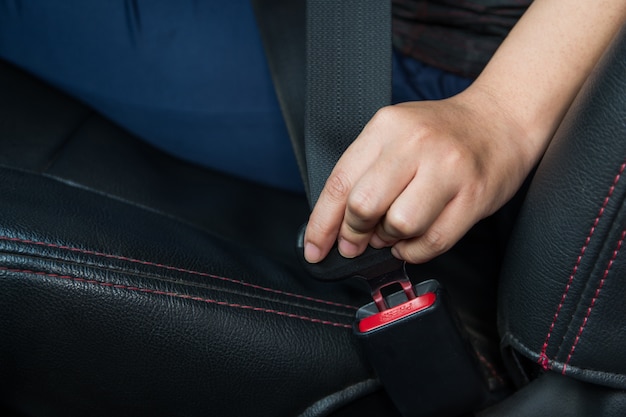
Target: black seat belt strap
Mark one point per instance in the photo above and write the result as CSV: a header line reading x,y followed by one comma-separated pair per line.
x,y
348,78
331,88
330,62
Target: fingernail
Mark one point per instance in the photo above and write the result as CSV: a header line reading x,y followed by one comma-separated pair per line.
x,y
348,249
395,253
312,253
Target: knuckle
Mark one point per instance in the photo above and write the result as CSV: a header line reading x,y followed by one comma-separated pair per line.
x,y
338,185
400,225
384,115
455,156
409,253
436,242
315,230
427,247
387,117
362,205
463,159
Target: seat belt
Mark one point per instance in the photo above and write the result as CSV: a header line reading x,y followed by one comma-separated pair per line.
x,y
328,91
348,78
331,88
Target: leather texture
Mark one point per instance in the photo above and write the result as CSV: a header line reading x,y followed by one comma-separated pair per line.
x,y
562,289
130,287
553,394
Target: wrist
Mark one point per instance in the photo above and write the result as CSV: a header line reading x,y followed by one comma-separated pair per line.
x,y
523,131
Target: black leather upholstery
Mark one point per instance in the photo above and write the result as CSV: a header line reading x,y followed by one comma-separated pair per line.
x,y
117,300
553,394
562,293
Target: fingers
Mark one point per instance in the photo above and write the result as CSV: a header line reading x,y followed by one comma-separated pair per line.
x,y
390,201
325,220
449,227
370,200
417,207
410,180
427,218
328,214
359,191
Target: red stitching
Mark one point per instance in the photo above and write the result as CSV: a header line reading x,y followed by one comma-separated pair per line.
x,y
177,295
594,299
490,367
173,268
543,360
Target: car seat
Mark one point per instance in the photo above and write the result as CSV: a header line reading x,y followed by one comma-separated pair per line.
x,y
133,284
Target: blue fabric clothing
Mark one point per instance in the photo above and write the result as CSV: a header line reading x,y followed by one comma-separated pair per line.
x,y
414,80
188,77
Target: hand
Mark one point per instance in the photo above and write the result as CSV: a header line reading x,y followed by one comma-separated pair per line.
x,y
421,174
418,177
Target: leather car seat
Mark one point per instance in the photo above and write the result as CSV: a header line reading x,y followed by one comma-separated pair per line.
x,y
130,287
134,284
561,295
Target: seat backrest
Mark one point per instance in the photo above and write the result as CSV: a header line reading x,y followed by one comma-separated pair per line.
x,y
562,291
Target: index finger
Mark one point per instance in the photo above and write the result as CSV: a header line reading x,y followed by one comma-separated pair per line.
x,y
327,216
328,213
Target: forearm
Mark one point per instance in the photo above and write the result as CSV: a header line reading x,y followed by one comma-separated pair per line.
x,y
538,70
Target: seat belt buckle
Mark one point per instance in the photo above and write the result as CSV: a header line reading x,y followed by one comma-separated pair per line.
x,y
413,338
421,352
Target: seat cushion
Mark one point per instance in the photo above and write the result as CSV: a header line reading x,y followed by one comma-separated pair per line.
x,y
135,284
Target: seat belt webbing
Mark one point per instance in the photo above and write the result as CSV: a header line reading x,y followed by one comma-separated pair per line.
x,y
348,78
328,93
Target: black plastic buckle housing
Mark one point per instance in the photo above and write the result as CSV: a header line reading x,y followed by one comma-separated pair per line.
x,y
413,338
421,353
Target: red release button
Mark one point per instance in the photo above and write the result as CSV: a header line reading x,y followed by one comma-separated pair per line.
x,y
402,310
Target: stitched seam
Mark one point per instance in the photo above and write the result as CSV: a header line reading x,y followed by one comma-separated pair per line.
x,y
528,352
543,360
596,374
192,285
490,367
176,295
176,269
594,300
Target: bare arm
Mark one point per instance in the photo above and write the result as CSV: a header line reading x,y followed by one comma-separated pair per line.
x,y
422,173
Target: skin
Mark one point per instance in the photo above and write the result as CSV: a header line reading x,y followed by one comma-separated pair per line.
x,y
421,174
